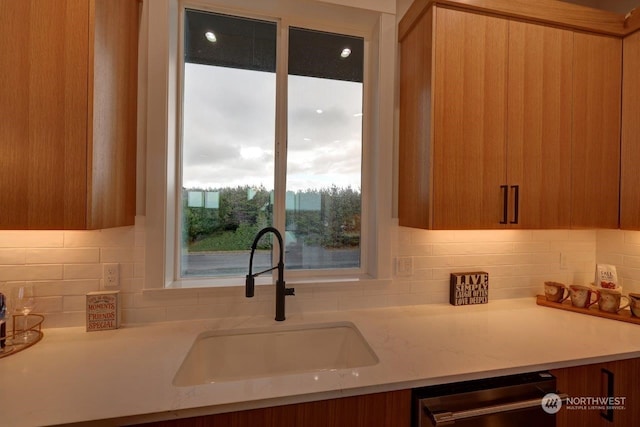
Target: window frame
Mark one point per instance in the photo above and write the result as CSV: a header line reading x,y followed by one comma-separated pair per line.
x,y
165,68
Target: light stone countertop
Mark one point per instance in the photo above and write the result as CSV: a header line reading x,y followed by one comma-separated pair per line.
x,y
125,375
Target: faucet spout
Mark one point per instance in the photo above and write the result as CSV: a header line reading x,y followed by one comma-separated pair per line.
x,y
281,289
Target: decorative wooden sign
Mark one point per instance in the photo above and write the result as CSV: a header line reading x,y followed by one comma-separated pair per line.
x,y
103,310
469,288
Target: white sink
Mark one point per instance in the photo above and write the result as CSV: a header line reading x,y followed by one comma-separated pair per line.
x,y
229,355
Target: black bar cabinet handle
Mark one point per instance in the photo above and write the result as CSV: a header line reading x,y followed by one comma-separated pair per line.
x,y
505,203
608,414
516,195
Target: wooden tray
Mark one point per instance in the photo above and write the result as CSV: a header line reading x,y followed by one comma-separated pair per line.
x,y
623,316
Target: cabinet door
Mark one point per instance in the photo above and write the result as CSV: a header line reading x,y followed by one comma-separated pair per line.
x,y
539,125
579,381
630,182
43,136
616,380
389,409
469,111
597,77
622,376
414,151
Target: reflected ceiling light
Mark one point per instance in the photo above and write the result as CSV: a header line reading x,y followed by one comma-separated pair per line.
x,y
306,139
357,115
319,111
345,52
210,36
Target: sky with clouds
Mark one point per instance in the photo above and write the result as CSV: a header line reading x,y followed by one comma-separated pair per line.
x,y
229,130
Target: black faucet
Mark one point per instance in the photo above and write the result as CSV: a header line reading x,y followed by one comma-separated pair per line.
x,y
281,290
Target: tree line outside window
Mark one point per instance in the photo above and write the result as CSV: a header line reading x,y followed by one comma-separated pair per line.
x,y
329,217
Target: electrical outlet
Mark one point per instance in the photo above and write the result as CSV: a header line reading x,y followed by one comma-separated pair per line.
x,y
111,275
404,266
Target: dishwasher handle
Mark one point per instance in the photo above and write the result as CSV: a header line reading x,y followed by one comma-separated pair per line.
x,y
447,418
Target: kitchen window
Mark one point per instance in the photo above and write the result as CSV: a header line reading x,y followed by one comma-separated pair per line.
x,y
262,161
270,128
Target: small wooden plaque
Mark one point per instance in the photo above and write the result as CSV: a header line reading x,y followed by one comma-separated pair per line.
x,y
103,310
469,288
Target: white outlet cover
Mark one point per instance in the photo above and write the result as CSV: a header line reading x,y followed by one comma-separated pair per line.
x,y
111,275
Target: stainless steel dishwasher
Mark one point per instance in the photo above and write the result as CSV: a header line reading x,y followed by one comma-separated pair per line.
x,y
513,400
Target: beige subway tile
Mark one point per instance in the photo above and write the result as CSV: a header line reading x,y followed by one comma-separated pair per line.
x,y
531,247
62,256
313,305
426,262
74,303
631,261
66,287
161,299
14,256
509,293
575,246
114,254
30,272
82,271
606,257
144,315
111,237
51,304
472,248
430,286
613,236
583,235
631,237
64,319
550,235
31,239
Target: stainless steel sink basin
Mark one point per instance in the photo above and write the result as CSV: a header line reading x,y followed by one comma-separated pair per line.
x,y
229,355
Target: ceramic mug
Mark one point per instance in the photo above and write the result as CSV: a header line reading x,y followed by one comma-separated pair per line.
x,y
555,292
581,296
610,300
634,303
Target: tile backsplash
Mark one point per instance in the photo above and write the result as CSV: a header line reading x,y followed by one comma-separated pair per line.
x,y
65,265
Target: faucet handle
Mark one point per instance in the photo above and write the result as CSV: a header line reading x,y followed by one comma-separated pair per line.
x,y
250,286
290,291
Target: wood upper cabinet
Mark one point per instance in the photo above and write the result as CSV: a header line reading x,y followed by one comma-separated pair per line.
x,y
68,85
539,124
469,112
630,155
485,121
597,80
452,121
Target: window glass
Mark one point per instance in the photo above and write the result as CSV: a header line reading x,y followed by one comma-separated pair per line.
x,y
227,141
229,155
324,150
